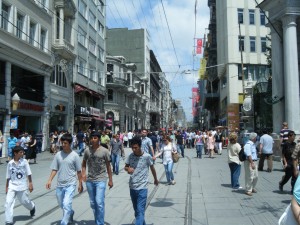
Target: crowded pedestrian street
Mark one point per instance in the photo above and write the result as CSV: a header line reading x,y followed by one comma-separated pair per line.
x,y
202,195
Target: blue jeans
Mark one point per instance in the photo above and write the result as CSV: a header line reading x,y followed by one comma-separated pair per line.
x,y
199,150
235,171
169,173
81,149
96,192
139,200
115,160
181,149
64,197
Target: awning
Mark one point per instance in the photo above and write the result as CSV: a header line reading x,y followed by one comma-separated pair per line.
x,y
83,119
78,88
98,118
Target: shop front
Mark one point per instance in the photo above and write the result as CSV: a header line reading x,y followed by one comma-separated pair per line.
x,y
58,117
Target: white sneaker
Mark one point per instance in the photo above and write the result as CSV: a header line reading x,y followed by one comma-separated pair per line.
x,y
173,182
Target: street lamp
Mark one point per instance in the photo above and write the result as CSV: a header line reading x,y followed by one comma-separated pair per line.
x,y
15,102
262,85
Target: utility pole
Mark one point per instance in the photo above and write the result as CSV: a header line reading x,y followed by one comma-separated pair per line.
x,y
242,64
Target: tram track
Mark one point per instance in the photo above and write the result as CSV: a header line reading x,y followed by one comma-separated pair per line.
x,y
188,200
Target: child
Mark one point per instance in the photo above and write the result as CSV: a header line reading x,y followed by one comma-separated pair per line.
x,y
66,164
17,173
137,165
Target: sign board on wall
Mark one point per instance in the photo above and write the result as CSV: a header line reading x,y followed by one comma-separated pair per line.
x,y
233,116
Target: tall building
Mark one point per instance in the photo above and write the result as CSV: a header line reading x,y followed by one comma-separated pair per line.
x,y
25,64
240,30
89,65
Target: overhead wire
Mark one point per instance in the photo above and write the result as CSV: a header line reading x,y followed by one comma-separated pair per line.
x,y
119,13
125,6
136,15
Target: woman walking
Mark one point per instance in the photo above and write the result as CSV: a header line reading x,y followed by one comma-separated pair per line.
x,y
199,142
31,152
167,149
233,161
210,145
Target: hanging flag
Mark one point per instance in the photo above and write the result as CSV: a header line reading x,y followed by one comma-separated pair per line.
x,y
199,46
202,70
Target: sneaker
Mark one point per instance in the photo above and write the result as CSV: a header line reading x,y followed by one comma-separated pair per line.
x,y
32,212
173,182
8,223
72,217
238,188
254,190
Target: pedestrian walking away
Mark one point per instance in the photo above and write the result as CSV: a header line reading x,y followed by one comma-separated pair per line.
x,y
233,161
97,159
18,173
66,164
266,151
137,165
199,143
251,172
168,148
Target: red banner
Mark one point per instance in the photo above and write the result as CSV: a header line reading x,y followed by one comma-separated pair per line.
x,y
199,50
199,43
199,46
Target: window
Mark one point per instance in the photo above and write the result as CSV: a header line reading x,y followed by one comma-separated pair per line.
x,y
93,74
263,44
110,68
4,17
101,53
20,23
43,39
240,16
251,16
58,77
252,44
100,6
92,19
100,29
143,89
82,8
262,18
256,71
81,36
92,46
241,43
110,95
81,67
32,33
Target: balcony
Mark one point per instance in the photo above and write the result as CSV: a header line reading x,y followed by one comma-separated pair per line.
x,y
64,49
115,82
154,108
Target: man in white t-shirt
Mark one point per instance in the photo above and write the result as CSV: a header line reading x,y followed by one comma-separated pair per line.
x,y
266,151
130,136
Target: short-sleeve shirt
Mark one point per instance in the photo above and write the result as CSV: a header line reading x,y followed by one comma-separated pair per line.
x,y
17,173
116,146
96,162
296,153
67,165
284,134
179,139
267,142
139,179
250,149
287,150
146,144
105,139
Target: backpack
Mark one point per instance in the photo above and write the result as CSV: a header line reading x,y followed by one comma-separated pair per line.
x,y
242,156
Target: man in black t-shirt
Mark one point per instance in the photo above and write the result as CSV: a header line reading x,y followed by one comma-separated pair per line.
x,y
180,143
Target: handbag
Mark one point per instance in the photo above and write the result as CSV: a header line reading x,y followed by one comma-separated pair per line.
x,y
175,157
287,217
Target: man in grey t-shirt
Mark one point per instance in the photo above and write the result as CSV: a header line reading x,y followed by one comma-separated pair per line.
x,y
97,158
266,151
137,165
66,164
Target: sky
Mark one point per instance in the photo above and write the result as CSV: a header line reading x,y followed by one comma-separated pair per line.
x,y
173,26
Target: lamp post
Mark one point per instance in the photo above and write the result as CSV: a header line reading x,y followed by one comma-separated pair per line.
x,y
15,102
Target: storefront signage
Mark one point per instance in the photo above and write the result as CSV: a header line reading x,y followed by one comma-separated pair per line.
x,y
60,107
14,123
82,110
32,107
95,112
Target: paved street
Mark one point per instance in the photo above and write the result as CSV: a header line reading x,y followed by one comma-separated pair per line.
x,y
201,196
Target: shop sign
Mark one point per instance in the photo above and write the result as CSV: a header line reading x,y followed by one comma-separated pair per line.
x,y
82,110
32,107
95,112
3,110
14,123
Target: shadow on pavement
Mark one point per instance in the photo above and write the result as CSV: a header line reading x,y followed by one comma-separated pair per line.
x,y
286,201
22,218
226,185
82,222
161,204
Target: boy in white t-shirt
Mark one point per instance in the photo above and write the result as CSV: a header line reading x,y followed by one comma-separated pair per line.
x,y
17,173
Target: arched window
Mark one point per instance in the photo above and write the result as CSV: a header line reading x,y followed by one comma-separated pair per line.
x,y
58,77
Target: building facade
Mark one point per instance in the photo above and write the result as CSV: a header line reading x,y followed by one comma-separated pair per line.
x,y
284,19
241,28
25,62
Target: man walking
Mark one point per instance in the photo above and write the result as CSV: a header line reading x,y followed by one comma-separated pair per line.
x,y
117,151
80,140
251,173
219,141
266,151
147,143
137,165
97,158
180,143
130,136
66,164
